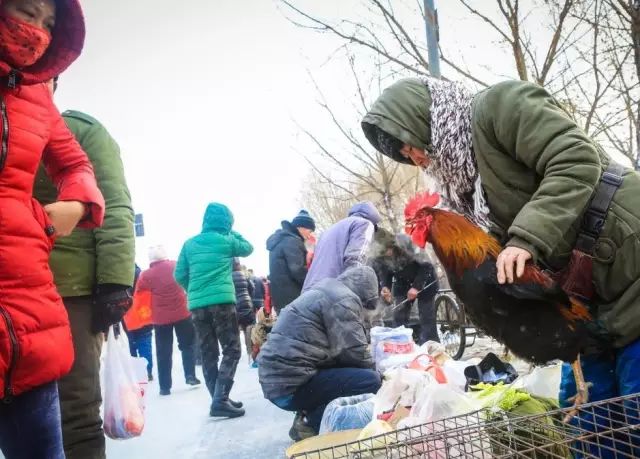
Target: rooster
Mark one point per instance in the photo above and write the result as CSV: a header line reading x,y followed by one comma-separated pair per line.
x,y
533,316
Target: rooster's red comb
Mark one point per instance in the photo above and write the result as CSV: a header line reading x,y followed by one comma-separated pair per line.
x,y
420,201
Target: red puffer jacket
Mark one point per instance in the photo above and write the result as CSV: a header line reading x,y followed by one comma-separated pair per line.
x,y
35,339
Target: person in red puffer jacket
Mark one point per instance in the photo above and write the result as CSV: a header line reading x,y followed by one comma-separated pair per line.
x,y
38,40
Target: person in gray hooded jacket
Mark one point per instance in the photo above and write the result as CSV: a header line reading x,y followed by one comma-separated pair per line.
x,y
343,245
317,350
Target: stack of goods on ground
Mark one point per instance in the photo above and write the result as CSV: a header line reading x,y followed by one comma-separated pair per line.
x,y
425,392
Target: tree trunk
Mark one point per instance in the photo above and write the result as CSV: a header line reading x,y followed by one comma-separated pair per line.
x,y
393,219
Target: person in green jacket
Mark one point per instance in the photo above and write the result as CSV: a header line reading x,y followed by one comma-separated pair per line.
x,y
512,160
204,270
93,271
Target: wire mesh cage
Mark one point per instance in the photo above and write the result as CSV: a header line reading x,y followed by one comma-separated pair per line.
x,y
606,429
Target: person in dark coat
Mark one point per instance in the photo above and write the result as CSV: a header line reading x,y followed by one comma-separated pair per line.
x,y
403,278
317,350
257,297
244,306
288,259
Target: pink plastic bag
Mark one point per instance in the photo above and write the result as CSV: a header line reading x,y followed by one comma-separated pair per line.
x,y
123,390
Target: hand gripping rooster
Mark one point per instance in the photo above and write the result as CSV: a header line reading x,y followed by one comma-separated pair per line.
x,y
533,316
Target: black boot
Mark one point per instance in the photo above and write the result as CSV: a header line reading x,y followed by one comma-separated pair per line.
x,y
300,429
221,406
235,404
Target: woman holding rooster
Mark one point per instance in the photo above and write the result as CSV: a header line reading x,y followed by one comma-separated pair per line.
x,y
511,160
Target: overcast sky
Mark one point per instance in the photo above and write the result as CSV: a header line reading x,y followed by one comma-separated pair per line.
x,y
201,96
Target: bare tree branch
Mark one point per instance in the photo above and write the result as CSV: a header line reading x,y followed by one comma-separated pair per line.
x,y
390,17
462,71
322,26
553,47
487,20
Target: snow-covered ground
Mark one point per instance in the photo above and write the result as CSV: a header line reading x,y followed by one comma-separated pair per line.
x,y
179,426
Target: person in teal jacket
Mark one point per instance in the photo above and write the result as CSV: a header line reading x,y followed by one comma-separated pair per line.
x,y
204,270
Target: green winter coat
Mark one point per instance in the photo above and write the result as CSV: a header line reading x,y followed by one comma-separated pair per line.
x,y
204,267
539,171
106,255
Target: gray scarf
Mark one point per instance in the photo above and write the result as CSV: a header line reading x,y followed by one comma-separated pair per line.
x,y
453,162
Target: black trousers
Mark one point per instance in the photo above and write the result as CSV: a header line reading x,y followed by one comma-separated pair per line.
x,y
426,312
185,332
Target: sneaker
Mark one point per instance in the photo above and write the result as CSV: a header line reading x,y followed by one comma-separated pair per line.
x,y
300,430
193,381
165,392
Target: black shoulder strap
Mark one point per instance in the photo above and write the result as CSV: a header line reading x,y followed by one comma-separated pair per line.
x,y
596,214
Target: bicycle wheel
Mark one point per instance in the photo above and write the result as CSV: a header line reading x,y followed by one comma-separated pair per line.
x,y
451,330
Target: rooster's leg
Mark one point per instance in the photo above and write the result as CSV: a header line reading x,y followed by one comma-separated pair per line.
x,y
582,389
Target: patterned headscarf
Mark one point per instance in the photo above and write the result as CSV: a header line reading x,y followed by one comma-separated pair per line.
x,y
453,162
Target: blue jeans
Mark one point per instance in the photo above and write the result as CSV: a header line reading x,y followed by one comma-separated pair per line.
x,y
30,426
612,376
326,386
140,344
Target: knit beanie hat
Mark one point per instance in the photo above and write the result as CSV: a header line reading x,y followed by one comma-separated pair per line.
x,y
304,220
157,253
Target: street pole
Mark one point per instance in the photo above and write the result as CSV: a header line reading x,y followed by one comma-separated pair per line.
x,y
431,22
635,33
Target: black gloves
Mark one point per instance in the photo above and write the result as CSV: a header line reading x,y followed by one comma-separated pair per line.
x,y
110,303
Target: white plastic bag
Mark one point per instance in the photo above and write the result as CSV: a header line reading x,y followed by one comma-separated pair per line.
x,y
417,381
542,381
123,390
435,350
454,370
398,357
392,348
400,388
376,333
347,413
438,402
389,394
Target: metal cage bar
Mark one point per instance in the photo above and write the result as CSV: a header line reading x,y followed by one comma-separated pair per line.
x,y
605,429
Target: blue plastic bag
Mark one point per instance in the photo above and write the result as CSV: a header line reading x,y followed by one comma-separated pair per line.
x,y
347,413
